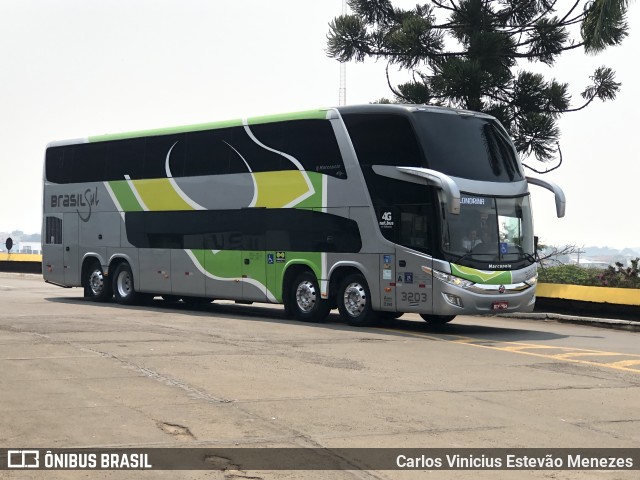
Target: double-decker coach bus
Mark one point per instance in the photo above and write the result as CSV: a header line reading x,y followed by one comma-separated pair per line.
x,y
376,210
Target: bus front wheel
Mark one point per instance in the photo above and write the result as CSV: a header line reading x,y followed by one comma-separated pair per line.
x,y
96,286
437,319
306,303
354,301
123,286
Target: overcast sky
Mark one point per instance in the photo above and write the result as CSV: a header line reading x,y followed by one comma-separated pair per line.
x,y
74,68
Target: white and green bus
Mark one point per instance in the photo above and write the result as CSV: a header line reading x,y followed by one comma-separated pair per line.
x,y
375,210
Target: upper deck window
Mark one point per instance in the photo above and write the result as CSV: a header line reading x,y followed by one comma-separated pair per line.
x,y
381,139
287,145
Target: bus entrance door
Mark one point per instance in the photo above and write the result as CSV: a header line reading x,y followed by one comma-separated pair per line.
x,y
52,257
71,250
254,276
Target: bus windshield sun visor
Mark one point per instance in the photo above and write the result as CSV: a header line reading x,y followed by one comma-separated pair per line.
x,y
428,176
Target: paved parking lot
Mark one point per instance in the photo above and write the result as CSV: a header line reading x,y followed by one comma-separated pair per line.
x,y
79,374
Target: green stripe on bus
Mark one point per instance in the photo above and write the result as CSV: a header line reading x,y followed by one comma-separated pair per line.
x,y
306,115
127,200
315,200
166,131
499,277
283,117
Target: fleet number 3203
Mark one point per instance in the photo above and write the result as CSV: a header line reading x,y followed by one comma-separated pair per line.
x,y
414,297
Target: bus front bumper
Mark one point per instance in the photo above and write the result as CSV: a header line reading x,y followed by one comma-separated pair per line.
x,y
480,299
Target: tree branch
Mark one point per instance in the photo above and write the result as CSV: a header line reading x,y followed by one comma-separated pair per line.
x,y
549,169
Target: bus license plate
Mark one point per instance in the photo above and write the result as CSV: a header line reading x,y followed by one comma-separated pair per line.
x,y
499,305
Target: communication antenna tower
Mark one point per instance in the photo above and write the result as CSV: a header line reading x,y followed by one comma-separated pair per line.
x,y
342,96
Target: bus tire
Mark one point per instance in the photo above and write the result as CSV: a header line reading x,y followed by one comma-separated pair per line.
x,y
306,302
96,286
437,319
124,287
354,301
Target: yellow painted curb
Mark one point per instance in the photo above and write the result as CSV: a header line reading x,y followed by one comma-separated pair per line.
x,y
618,296
20,257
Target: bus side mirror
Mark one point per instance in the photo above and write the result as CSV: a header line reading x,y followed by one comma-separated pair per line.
x,y
428,177
561,201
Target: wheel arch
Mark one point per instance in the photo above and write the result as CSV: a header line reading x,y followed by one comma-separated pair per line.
x,y
119,258
89,259
291,271
338,272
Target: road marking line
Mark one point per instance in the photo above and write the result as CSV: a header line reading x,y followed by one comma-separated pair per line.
x,y
520,348
589,354
527,347
625,363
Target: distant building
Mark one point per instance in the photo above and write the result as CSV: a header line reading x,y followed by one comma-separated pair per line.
x,y
586,262
28,247
19,246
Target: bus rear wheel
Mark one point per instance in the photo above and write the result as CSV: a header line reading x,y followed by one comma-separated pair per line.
x,y
437,319
354,301
123,286
306,303
96,286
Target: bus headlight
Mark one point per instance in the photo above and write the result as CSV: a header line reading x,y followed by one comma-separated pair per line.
x,y
532,281
452,279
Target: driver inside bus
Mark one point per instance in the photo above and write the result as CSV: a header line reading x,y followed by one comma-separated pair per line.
x,y
472,240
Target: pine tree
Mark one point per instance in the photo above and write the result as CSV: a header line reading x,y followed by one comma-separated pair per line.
x,y
481,72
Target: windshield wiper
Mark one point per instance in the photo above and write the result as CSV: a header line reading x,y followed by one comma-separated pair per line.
x,y
526,255
462,257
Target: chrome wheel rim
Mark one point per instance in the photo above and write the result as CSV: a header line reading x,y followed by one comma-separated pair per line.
x,y
96,282
124,284
355,299
306,296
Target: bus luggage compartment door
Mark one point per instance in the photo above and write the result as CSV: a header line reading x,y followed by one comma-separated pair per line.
x,y
155,270
414,287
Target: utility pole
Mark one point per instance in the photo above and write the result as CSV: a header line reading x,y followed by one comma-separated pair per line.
x,y
342,96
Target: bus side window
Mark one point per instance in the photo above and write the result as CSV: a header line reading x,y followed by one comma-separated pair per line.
x,y
89,160
384,140
211,153
126,157
311,142
157,150
53,231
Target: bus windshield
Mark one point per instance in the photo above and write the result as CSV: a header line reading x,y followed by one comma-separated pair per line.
x,y
467,146
490,229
